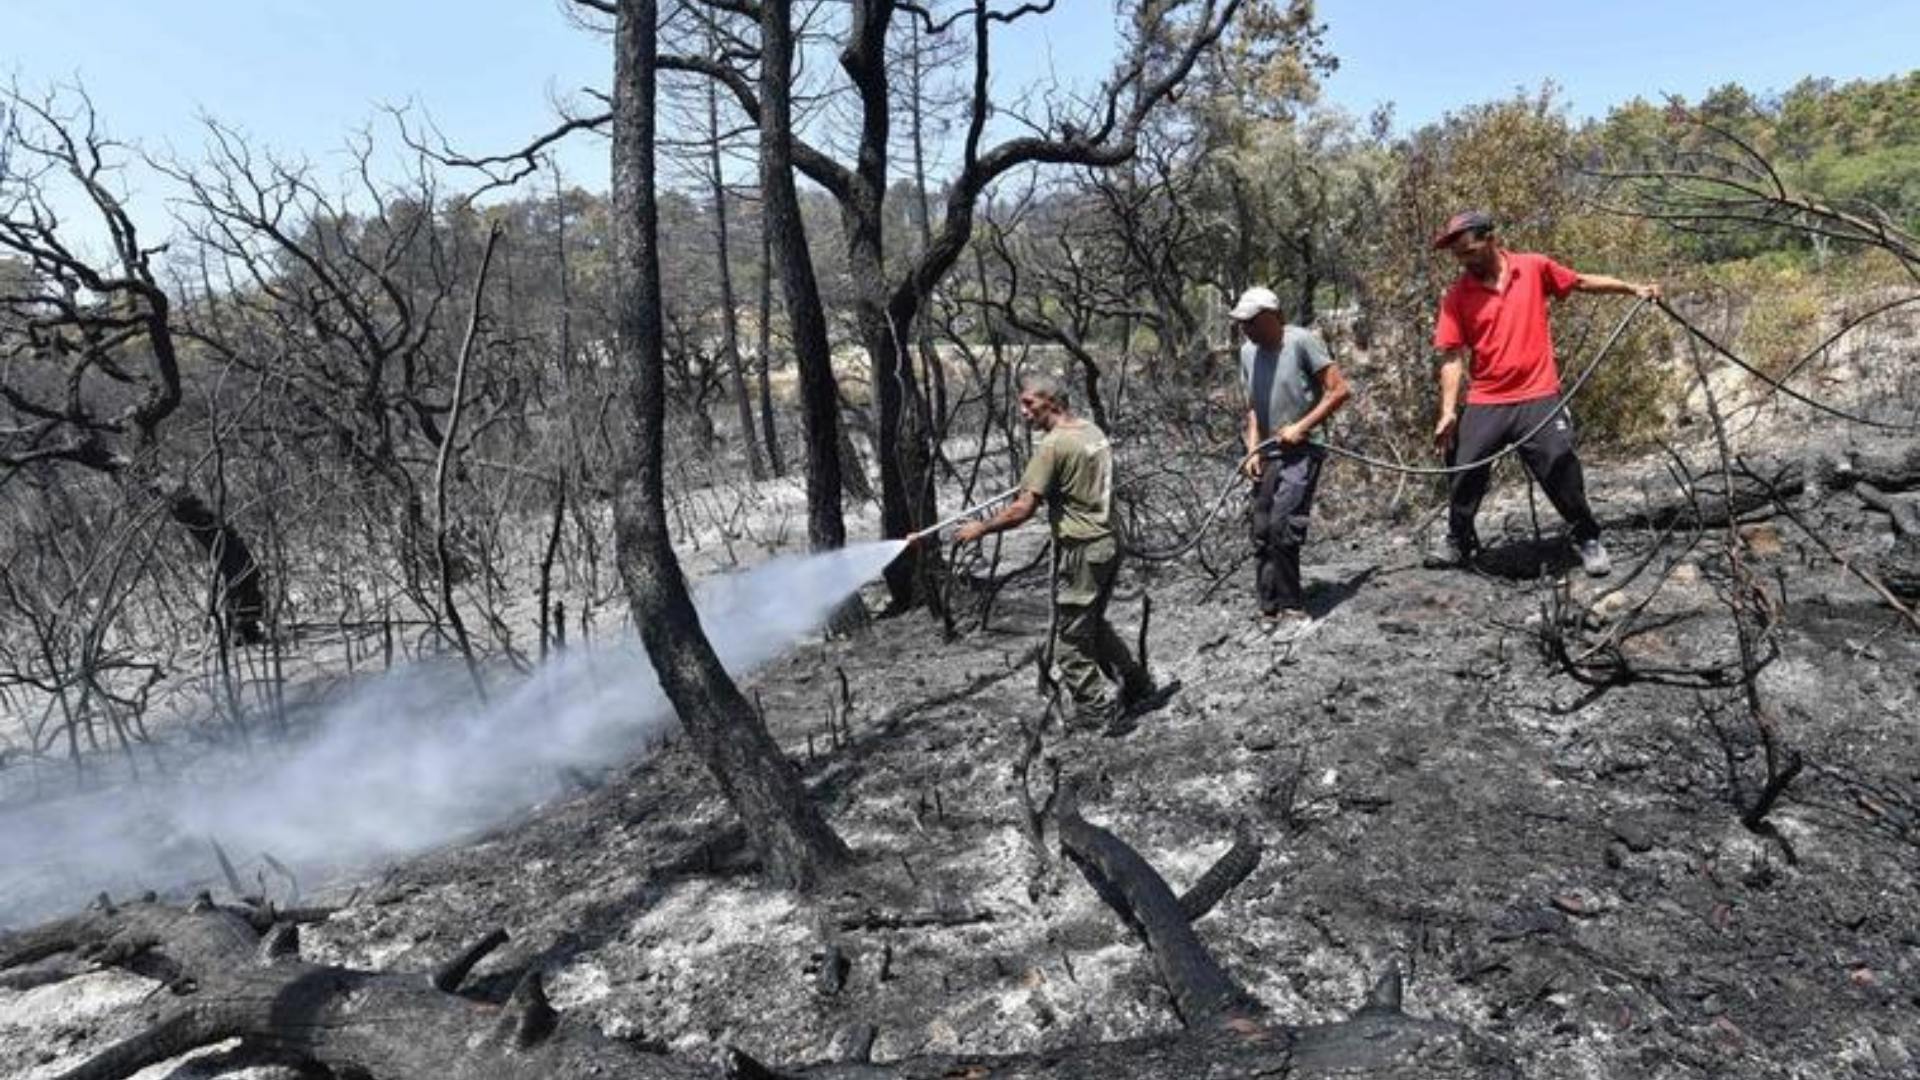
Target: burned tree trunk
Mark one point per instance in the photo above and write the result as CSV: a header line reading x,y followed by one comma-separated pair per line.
x,y
1203,992
794,841
763,370
806,316
242,595
902,446
1230,1033
729,315
904,452
935,371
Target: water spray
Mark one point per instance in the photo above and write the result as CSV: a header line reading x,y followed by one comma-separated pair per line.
x,y
396,763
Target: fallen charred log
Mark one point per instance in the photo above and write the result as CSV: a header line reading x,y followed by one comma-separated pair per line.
x,y
232,980
1754,491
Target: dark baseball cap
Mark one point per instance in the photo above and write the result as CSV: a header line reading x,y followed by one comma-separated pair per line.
x,y
1464,221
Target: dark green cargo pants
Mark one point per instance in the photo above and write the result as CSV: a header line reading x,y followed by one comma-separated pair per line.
x,y
1085,648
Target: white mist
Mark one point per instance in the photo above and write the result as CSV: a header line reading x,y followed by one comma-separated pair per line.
x,y
407,761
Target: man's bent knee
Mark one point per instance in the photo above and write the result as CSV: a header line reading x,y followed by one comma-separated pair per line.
x,y
1293,533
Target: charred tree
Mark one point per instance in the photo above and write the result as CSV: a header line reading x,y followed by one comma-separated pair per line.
x,y
444,564
796,844
763,370
111,334
806,315
918,57
886,304
343,314
729,314
1154,69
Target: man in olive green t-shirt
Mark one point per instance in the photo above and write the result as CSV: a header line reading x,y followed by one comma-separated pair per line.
x,y
1072,470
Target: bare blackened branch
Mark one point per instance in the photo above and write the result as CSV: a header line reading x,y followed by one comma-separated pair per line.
x,y
509,168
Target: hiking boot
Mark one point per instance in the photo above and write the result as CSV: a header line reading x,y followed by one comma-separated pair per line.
x,y
1122,723
1452,555
1092,715
1593,556
1146,697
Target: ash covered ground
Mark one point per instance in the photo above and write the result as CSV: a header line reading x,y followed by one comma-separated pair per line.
x,y
1559,867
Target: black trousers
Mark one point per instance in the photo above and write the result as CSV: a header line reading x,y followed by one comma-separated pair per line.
x,y
1281,504
1548,455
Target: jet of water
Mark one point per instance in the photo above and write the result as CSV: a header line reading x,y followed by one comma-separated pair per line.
x,y
405,761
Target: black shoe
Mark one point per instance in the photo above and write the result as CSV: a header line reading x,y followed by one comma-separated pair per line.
x,y
1132,706
1147,698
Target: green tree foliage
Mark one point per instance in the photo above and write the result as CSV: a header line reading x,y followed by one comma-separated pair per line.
x,y
1518,159
1852,145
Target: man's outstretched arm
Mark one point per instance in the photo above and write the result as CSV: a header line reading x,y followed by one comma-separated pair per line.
x,y
1015,515
1601,283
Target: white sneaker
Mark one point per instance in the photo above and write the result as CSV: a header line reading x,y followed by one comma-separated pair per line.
x,y
1450,556
1289,624
1593,556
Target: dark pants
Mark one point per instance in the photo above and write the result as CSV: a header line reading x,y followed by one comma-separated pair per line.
x,y
1282,502
1548,455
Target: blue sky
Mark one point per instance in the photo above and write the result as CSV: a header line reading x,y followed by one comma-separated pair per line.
x,y
298,75
1432,57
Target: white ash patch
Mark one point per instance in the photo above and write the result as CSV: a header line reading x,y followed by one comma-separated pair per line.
x,y
48,1030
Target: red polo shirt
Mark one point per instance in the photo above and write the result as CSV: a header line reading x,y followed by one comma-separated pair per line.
x,y
1507,329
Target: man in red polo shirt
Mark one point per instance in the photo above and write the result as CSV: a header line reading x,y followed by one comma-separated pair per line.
x,y
1493,328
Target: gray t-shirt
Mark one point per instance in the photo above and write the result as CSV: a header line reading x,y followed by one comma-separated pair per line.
x,y
1280,381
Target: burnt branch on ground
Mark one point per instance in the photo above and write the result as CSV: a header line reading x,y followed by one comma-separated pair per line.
x,y
1036,810
236,974
1756,617
1868,577
1232,868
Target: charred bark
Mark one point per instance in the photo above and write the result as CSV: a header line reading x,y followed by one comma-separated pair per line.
x,y
1203,993
763,369
794,841
1882,469
242,593
905,457
229,986
1242,859
806,316
1691,507
729,316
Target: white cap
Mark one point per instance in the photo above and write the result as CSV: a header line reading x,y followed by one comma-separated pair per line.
x,y
1253,302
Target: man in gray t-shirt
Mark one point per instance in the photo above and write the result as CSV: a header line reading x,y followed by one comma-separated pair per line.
x,y
1292,384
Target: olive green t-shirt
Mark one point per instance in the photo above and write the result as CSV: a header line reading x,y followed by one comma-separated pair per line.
x,y
1072,469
